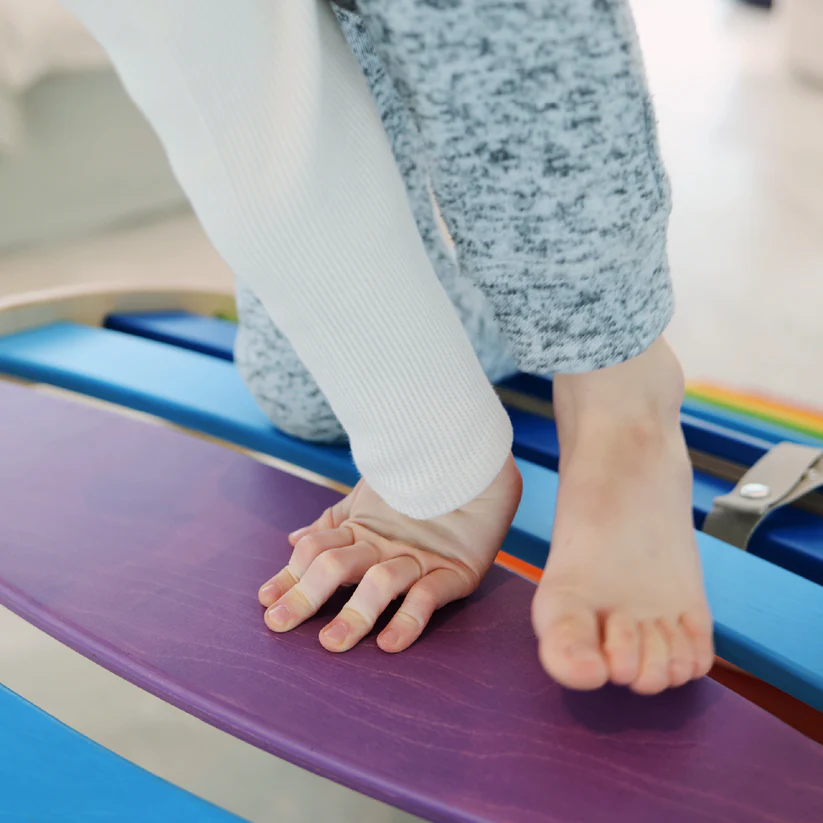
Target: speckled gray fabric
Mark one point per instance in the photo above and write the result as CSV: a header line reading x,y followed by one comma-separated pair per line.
x,y
530,121
280,383
536,120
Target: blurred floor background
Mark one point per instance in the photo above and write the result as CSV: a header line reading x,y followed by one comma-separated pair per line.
x,y
85,194
742,137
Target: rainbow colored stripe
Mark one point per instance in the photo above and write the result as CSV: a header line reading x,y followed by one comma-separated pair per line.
x,y
760,406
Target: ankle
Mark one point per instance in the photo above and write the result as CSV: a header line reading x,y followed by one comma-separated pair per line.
x,y
640,398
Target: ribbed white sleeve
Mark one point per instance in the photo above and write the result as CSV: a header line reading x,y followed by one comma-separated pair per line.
x,y
271,130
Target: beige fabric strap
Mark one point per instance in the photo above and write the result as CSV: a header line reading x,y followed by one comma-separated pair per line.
x,y
786,473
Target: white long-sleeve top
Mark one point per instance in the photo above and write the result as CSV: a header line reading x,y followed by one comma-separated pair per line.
x,y
271,130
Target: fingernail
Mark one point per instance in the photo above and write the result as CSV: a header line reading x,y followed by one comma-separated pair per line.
x,y
268,590
296,535
336,631
390,637
279,615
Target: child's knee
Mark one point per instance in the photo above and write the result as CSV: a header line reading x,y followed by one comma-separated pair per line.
x,y
303,417
283,388
296,407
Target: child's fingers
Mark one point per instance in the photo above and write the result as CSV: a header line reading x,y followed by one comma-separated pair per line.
x,y
434,591
274,588
324,576
380,585
295,536
330,519
308,549
325,522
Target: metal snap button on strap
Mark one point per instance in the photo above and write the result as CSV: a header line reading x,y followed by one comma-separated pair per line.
x,y
755,491
783,475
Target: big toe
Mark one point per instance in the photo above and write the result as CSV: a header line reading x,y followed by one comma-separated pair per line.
x,y
570,648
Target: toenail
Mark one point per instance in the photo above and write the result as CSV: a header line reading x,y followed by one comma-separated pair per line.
x,y
336,631
279,615
580,650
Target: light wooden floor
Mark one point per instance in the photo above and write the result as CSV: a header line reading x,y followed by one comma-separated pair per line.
x,y
165,253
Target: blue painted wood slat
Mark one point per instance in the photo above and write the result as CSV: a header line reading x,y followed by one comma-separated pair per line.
x,y
50,773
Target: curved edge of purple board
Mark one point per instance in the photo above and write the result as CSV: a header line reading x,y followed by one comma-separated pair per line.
x,y
149,559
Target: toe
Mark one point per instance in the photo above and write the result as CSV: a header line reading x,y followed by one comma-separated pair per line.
x,y
681,654
622,648
697,626
569,632
654,660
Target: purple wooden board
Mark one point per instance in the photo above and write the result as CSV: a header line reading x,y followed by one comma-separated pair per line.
x,y
144,548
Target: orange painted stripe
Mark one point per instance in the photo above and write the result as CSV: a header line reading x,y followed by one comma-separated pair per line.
x,y
518,566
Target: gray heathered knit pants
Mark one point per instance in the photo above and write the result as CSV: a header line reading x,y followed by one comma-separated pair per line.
x,y
530,124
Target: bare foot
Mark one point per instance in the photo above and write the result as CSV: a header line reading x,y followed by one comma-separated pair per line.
x,y
622,596
362,540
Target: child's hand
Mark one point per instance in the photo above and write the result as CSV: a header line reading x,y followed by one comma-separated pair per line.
x,y
362,540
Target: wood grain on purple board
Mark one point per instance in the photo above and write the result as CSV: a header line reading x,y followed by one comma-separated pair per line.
x,y
143,549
